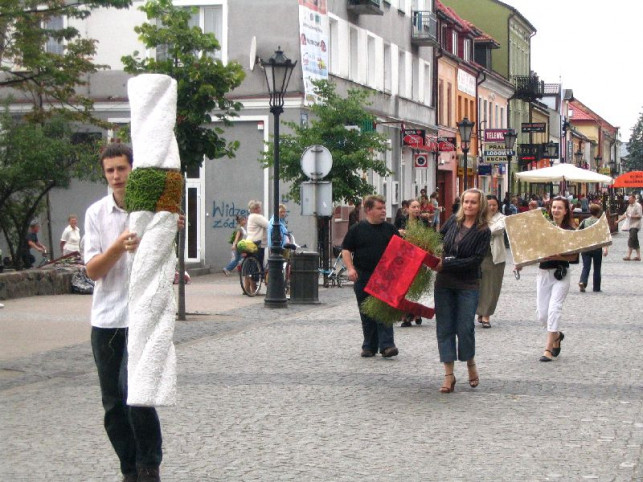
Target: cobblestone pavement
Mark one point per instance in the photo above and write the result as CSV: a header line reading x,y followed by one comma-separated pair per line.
x,y
284,395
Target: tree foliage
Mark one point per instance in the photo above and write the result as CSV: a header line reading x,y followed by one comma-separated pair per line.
x,y
35,158
49,78
203,81
635,147
354,151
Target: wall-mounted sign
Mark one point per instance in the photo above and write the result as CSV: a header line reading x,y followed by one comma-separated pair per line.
x,y
529,152
421,160
494,135
484,169
466,83
533,127
446,144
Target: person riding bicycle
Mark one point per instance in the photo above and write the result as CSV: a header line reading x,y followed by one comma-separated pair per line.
x,y
31,242
257,228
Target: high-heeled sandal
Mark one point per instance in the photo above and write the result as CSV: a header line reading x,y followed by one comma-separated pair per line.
x,y
448,388
545,358
556,351
473,382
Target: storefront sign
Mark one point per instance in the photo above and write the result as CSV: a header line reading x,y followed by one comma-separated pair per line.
x,y
466,83
533,127
494,135
413,137
495,153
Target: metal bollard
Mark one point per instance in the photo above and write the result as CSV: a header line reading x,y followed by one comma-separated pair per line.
x,y
304,278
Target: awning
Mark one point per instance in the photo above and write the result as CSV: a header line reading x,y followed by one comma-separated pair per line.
x,y
629,179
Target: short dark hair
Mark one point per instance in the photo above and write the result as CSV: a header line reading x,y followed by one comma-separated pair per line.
x,y
595,210
116,149
369,201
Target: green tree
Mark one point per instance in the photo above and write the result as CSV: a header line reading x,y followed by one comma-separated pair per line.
x,y
35,158
354,151
45,61
635,147
203,81
188,55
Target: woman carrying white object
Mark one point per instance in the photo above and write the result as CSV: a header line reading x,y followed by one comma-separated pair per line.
x,y
552,282
493,264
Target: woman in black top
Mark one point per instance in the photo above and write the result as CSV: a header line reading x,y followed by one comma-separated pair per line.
x,y
552,282
466,240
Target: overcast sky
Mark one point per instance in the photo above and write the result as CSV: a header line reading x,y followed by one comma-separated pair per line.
x,y
594,48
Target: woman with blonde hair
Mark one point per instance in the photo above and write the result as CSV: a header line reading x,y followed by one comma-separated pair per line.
x,y
466,240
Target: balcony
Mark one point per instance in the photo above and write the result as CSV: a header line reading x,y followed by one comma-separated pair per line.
x,y
528,88
365,7
425,29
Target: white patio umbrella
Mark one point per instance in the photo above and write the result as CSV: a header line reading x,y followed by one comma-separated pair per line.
x,y
563,172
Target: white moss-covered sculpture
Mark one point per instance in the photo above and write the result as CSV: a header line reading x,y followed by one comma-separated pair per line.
x,y
153,199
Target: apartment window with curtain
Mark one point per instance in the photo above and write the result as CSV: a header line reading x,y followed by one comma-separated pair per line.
x,y
354,55
210,20
449,105
371,58
54,46
440,103
401,86
466,52
333,47
427,83
454,42
503,121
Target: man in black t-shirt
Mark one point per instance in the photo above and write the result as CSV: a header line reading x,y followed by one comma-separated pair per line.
x,y
362,249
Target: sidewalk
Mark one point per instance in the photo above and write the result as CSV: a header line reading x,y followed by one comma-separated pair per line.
x,y
283,395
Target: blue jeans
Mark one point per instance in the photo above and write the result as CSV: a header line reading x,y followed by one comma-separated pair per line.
x,y
455,311
376,335
595,255
135,432
233,263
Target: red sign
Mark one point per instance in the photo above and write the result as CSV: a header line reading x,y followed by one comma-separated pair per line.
x,y
413,137
494,135
421,160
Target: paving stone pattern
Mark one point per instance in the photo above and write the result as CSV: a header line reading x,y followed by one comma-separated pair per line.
x,y
284,395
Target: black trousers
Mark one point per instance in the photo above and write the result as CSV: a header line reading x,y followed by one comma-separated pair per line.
x,y
135,432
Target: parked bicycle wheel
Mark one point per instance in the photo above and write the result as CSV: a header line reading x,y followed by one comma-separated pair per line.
x,y
250,276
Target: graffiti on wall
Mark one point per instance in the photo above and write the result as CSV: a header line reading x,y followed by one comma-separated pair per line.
x,y
224,214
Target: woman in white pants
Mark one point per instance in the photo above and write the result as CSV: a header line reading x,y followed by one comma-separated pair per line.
x,y
552,282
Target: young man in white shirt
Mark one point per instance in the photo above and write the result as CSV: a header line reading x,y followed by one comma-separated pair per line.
x,y
135,432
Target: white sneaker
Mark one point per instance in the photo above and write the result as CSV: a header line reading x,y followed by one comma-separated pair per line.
x,y
226,272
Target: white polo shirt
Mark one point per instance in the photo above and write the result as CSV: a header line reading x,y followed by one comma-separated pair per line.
x,y
104,222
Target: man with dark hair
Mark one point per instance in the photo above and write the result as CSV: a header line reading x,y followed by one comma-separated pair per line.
x,y
362,249
135,432
32,242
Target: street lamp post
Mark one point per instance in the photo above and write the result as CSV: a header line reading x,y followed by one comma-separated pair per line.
x,y
277,70
465,126
578,155
510,140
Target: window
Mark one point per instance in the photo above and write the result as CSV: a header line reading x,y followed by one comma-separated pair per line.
x,y
388,79
503,122
426,82
454,42
354,55
497,119
441,112
466,52
210,20
444,32
401,87
449,105
371,58
54,46
333,48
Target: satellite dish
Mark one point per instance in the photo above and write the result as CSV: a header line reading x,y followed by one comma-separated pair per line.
x,y
253,53
316,162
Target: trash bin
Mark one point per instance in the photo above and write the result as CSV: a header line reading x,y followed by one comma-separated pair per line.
x,y
304,278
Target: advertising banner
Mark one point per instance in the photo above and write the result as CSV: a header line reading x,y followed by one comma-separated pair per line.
x,y
313,40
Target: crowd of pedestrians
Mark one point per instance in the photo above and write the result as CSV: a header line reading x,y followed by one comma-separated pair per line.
x,y
469,276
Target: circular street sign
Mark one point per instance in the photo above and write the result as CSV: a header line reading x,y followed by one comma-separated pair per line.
x,y
316,162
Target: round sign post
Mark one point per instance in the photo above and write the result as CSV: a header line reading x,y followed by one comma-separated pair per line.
x,y
316,162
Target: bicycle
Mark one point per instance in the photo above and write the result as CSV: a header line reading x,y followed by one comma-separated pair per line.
x,y
46,258
251,274
336,275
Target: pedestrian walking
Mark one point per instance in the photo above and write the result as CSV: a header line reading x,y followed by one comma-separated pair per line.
x,y
632,216
238,234
552,282
32,242
135,432
362,249
493,264
595,255
70,239
466,240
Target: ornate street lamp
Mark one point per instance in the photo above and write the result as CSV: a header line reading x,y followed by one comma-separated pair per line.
x,y
598,160
510,140
278,70
578,155
465,126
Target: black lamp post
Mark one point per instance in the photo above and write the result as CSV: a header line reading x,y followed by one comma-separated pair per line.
x,y
465,126
510,140
278,70
598,159
578,155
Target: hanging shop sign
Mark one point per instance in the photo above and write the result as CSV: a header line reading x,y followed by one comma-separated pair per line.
x,y
533,127
494,135
413,137
494,153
